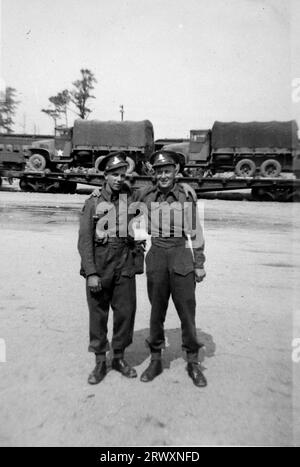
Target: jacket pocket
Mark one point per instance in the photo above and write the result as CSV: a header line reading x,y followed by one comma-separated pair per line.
x,y
129,272
102,259
183,262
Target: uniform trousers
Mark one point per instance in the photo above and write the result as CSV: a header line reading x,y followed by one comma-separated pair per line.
x,y
114,264
170,272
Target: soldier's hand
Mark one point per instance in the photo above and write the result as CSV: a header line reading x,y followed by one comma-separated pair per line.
x,y
189,191
94,283
97,192
199,274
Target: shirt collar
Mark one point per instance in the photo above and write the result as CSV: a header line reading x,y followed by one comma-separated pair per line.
x,y
174,192
108,194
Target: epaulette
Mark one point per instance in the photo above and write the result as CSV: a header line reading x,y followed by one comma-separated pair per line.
x,y
149,189
182,191
189,197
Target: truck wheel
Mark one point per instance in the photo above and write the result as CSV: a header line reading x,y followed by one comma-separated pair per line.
x,y
131,165
68,187
24,185
257,194
270,168
294,195
145,168
37,162
97,162
245,168
263,194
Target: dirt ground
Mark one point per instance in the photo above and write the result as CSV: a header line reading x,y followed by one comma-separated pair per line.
x,y
247,316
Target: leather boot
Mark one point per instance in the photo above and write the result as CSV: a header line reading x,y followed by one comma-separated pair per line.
x,y
120,365
196,374
98,373
154,369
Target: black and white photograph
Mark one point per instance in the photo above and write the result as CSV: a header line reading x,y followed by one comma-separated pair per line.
x,y
149,226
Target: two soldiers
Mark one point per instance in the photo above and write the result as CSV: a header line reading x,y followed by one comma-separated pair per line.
x,y
172,267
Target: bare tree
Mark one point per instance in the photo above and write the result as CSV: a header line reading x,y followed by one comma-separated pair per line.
x,y
82,92
59,106
60,102
53,113
8,106
79,95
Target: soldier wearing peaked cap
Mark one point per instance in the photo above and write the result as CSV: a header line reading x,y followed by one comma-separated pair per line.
x,y
113,160
172,267
164,157
109,264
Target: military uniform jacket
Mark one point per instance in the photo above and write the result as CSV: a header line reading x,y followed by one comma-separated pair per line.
x,y
183,222
93,231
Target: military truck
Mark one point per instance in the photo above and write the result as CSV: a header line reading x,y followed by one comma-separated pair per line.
x,y
84,145
248,149
11,161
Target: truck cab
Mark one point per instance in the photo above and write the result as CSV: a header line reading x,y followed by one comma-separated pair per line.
x,y
196,151
62,145
47,153
199,147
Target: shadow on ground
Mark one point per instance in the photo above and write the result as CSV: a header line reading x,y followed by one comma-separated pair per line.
x,y
138,352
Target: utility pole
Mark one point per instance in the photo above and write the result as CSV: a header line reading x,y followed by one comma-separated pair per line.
x,y
66,116
24,123
122,111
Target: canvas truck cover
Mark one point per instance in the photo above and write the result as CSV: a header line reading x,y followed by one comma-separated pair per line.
x,y
113,133
255,134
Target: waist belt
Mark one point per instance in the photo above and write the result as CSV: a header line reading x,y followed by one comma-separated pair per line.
x,y
118,241
168,242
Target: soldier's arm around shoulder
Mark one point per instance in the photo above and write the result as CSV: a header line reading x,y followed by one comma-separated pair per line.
x,y
189,191
96,193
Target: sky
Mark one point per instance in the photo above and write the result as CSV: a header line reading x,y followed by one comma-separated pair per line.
x,y
182,64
